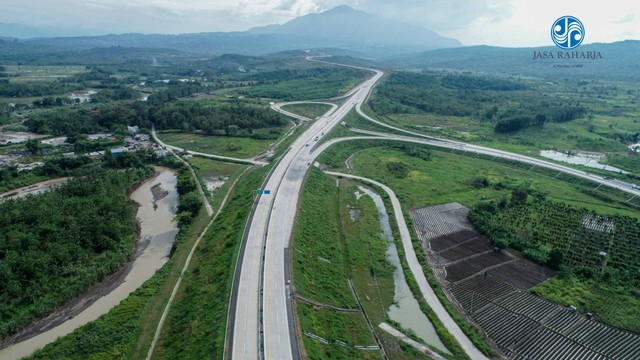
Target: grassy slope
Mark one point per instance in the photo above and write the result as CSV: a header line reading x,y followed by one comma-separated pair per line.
x,y
609,304
311,111
355,250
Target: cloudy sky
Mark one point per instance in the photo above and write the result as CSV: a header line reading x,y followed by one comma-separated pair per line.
x,y
512,23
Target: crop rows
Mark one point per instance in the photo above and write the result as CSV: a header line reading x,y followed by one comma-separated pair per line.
x,y
434,221
525,326
468,267
465,249
522,274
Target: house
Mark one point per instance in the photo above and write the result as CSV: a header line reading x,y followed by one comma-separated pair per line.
x,y
133,129
115,152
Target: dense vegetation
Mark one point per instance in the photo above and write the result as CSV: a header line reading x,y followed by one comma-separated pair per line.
x,y
467,95
303,84
221,120
79,234
584,242
597,254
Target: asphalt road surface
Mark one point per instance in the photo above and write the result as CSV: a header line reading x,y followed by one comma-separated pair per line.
x,y
268,235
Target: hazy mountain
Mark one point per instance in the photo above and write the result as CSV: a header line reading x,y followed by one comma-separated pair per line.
x,y
349,28
26,32
342,27
619,61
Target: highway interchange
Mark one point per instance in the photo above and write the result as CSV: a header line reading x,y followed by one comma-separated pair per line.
x,y
261,321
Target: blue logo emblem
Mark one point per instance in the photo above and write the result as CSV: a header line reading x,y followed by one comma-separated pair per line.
x,y
567,32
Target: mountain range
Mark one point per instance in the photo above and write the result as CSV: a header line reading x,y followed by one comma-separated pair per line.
x,y
342,27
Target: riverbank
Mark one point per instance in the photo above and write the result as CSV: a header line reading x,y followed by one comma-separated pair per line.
x,y
157,232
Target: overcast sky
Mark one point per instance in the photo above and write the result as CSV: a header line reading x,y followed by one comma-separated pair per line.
x,y
514,23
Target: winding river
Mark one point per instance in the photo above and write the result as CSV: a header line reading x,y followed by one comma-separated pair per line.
x,y
157,232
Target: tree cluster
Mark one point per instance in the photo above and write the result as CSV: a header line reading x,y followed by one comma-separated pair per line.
x,y
55,245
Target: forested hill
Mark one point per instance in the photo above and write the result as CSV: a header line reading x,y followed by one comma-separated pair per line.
x,y
619,61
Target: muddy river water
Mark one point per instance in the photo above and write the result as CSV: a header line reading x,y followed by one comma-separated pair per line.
x,y
406,310
157,231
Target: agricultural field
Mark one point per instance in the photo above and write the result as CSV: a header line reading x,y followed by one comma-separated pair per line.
x,y
516,114
491,285
598,255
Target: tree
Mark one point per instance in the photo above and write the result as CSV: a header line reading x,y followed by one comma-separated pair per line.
x,y
556,257
33,146
398,169
519,196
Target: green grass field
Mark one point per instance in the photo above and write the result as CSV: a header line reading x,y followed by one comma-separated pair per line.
x,y
311,111
328,253
448,176
239,147
212,168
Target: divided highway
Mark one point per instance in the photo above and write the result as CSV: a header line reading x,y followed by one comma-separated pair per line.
x,y
261,326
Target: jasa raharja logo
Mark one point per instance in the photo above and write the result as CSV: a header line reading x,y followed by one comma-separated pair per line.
x,y
567,33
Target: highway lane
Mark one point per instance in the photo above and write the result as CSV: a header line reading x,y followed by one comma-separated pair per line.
x,y
268,235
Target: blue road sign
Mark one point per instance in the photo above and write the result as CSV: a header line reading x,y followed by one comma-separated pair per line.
x,y
267,192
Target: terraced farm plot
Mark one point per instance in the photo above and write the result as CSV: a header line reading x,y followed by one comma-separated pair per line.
x,y
525,326
469,267
489,286
522,274
470,247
